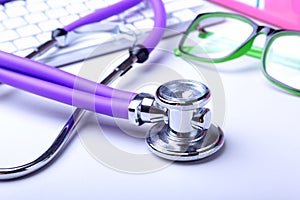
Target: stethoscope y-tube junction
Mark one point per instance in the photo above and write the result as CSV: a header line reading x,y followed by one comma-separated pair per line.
x,y
136,54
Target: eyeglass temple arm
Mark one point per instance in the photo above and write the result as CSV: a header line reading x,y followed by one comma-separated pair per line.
x,y
247,49
254,51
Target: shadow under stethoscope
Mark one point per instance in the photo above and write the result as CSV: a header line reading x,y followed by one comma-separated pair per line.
x,y
6,93
33,104
110,125
212,157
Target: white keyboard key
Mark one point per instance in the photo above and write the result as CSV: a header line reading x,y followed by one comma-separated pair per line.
x,y
34,1
1,7
14,23
77,1
24,52
133,18
148,13
56,13
14,4
80,1
135,9
57,3
35,17
83,14
16,11
75,8
111,2
43,37
8,35
1,27
166,1
185,15
133,28
25,43
179,5
68,19
95,4
2,15
49,25
114,18
7,47
172,21
36,7
28,30
144,24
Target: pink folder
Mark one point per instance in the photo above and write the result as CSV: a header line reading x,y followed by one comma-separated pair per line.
x,y
281,13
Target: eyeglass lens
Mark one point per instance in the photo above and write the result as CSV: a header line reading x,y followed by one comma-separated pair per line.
x,y
216,37
282,60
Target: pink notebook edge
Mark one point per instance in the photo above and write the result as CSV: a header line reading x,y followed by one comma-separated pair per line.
x,y
262,15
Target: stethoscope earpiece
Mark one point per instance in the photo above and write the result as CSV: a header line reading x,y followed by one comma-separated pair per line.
x,y
183,131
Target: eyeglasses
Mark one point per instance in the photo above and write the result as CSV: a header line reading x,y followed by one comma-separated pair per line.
x,y
219,37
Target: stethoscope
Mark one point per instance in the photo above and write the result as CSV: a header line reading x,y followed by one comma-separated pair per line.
x,y
182,129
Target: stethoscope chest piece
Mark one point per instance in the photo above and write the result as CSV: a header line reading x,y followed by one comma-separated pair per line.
x,y
163,144
186,133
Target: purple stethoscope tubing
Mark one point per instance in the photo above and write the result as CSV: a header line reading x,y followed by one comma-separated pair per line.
x,y
102,13
85,100
4,1
150,42
55,84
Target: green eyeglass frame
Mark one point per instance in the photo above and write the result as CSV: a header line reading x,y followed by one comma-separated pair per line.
x,y
246,48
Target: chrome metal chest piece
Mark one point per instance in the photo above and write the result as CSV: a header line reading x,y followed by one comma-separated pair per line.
x,y
184,131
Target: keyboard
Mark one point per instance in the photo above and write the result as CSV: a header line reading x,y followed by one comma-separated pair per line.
x,y
27,24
